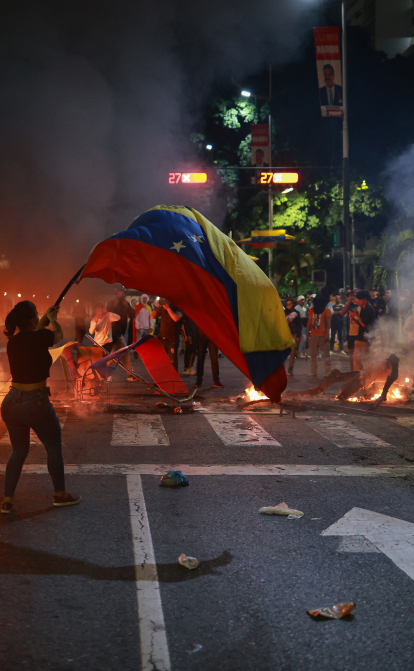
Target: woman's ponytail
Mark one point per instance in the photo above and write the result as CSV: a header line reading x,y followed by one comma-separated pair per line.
x,y
21,316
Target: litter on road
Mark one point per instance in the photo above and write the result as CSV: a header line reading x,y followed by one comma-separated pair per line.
x,y
188,562
281,509
174,479
335,612
196,648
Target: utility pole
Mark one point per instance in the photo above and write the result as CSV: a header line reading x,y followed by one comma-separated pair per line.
x,y
345,155
270,194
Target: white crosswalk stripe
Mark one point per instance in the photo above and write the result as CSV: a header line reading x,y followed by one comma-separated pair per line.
x,y
343,434
240,430
138,430
34,440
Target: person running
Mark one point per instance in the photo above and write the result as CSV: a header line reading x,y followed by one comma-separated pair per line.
x,y
295,325
27,405
318,334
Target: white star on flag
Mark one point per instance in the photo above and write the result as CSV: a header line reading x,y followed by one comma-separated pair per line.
x,y
178,245
196,238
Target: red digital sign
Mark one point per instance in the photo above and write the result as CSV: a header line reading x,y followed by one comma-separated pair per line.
x,y
279,178
187,178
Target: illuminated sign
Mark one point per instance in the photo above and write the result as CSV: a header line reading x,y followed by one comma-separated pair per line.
x,y
187,177
278,178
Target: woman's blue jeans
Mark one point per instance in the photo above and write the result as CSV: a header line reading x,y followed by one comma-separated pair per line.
x,y
25,410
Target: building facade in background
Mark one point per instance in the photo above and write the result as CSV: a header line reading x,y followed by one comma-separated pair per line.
x,y
390,23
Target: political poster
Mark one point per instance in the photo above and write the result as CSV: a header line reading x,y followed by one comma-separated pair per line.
x,y
328,65
260,150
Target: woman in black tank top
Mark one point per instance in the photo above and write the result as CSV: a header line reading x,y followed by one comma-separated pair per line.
x,y
27,405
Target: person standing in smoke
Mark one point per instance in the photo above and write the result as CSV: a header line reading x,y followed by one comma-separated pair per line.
x,y
364,319
27,405
120,306
319,321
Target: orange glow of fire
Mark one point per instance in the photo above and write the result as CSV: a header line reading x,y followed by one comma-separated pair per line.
x,y
407,379
254,395
396,393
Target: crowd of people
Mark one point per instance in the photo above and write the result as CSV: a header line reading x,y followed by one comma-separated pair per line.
x,y
122,323
350,317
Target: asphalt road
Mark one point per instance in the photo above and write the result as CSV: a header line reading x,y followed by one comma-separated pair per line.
x,y
98,586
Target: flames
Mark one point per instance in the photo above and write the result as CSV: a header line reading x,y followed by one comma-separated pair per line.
x,y
253,395
393,395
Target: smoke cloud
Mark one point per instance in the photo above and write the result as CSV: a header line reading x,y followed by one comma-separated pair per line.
x,y
97,104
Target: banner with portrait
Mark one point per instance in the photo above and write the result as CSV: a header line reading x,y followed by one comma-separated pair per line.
x,y
260,150
328,65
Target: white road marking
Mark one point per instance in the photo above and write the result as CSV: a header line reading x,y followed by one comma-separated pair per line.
x,y
343,434
356,544
138,430
240,430
242,469
34,440
153,636
393,537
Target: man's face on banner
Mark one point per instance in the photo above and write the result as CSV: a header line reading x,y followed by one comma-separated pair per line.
x,y
259,157
329,76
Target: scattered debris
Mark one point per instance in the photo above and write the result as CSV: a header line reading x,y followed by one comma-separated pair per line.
x,y
188,562
321,447
196,648
161,404
239,401
174,479
178,410
333,612
281,509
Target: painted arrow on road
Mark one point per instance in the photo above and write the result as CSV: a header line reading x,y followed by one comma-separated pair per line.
x,y
393,537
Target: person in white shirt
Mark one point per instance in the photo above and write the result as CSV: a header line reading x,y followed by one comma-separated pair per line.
x,y
143,321
101,326
101,329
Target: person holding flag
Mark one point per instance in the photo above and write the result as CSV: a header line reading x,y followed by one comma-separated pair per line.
x,y
27,405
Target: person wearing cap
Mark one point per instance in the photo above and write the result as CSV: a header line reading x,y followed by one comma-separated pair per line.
x,y
303,313
364,319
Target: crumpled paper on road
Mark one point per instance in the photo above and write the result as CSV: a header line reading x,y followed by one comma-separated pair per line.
x,y
281,509
333,612
188,562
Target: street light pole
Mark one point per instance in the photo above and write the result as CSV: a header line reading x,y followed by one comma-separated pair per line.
x,y
270,194
345,153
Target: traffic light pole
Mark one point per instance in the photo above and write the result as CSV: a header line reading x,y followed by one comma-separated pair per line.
x,y
345,156
270,194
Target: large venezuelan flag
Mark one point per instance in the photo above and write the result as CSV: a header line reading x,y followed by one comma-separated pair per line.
x,y
175,252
